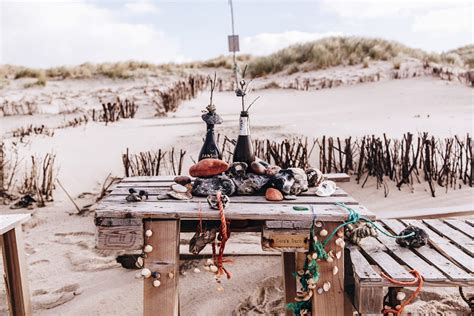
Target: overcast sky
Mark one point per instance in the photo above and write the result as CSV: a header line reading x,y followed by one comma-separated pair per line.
x,y
60,32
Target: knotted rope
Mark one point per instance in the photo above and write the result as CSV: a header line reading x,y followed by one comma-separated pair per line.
x,y
418,279
224,236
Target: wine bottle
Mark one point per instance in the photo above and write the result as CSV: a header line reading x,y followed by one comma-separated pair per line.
x,y
243,151
209,148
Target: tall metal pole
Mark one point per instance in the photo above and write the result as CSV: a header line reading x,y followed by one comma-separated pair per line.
x,y
233,34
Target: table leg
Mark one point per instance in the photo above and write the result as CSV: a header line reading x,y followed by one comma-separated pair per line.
x,y
16,279
164,259
289,281
331,302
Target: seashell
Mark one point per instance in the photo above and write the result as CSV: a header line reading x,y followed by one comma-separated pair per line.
x,y
133,197
311,281
210,186
148,249
290,197
315,256
340,233
146,273
398,307
213,268
320,291
258,168
156,283
339,242
208,167
304,296
311,286
401,296
139,262
162,196
179,188
148,233
273,195
196,270
209,262
329,259
180,196
183,180
339,254
326,286
326,188
212,201
315,238
323,233
170,275
335,270
319,224
314,176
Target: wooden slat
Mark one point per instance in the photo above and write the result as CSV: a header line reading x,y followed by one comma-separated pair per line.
x,y
462,226
331,302
160,189
362,269
470,221
375,250
368,300
284,239
248,200
15,272
119,237
410,258
164,259
190,210
452,271
336,177
464,242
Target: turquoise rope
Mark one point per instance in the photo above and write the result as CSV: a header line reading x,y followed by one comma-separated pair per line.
x,y
353,218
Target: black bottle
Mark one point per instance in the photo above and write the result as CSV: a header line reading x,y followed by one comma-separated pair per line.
x,y
243,151
209,148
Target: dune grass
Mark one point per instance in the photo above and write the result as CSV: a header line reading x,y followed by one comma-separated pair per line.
x,y
336,51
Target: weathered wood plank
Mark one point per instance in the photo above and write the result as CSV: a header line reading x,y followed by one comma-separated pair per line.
x,y
112,222
190,210
10,221
451,270
248,200
15,272
336,177
461,226
464,242
362,269
332,301
164,259
289,281
160,189
410,258
375,250
368,300
119,237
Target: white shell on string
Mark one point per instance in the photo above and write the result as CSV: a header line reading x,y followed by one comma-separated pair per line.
x,y
339,254
326,286
156,283
213,268
320,290
170,275
146,273
401,296
148,249
209,262
148,233
315,256
196,270
335,270
323,233
319,224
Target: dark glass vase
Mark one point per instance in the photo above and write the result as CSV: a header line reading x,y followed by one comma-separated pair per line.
x,y
243,151
209,148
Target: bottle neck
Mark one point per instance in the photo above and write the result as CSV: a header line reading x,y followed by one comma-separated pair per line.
x,y
244,127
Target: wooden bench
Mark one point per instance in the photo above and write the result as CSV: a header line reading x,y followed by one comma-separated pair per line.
x,y
121,226
447,261
16,282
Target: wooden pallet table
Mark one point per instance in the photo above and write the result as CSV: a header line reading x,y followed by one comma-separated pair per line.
x,y
447,260
16,281
121,226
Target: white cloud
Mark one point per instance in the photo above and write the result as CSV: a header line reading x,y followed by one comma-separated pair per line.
x,y
266,43
385,8
141,7
43,34
458,19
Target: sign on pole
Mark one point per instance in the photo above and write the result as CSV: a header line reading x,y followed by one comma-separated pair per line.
x,y
233,43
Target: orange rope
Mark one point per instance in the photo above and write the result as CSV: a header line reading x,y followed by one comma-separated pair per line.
x,y
224,234
418,279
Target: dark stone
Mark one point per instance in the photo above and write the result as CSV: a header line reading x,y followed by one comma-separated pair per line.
x,y
251,183
210,186
420,238
183,180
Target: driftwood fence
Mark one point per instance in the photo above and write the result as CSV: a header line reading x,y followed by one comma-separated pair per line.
x,y
112,112
10,108
441,162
